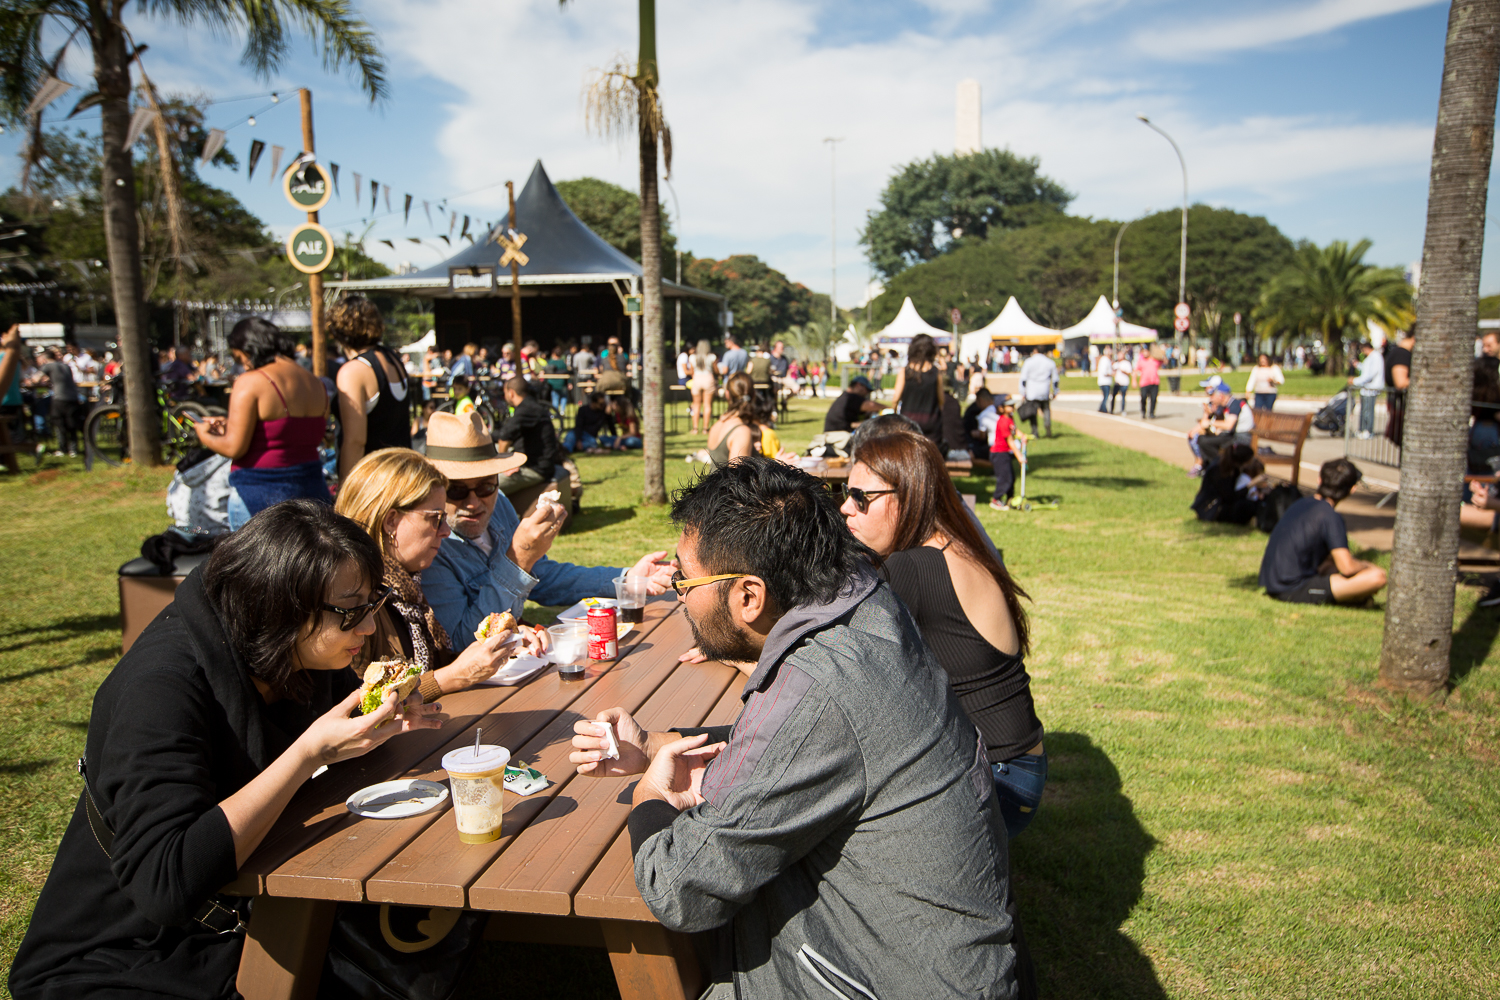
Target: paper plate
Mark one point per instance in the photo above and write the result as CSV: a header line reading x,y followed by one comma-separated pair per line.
x,y
517,670
397,799
580,611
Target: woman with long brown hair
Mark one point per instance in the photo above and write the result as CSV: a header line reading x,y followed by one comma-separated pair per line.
x,y
920,387
899,502
745,426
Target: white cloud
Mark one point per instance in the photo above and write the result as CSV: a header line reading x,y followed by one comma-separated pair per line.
x,y
1258,30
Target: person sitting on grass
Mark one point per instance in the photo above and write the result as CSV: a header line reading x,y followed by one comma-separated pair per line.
x,y
1229,491
589,425
852,406
1225,421
1307,558
979,423
1009,442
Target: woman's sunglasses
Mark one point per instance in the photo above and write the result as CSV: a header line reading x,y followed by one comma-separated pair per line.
x,y
459,492
861,497
353,616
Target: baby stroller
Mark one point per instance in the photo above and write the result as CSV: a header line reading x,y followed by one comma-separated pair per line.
x,y
1331,417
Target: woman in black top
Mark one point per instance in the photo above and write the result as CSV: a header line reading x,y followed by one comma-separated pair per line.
x,y
374,411
920,387
223,708
899,503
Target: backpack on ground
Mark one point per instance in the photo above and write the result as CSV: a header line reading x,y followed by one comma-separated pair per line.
x,y
1274,505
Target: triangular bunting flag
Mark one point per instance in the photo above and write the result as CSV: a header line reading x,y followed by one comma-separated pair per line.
x,y
358,187
389,244
51,89
335,168
413,239
386,189
374,193
139,119
452,223
445,239
466,227
213,144
427,207
256,148
276,152
406,215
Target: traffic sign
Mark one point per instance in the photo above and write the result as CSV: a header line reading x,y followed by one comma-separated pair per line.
x,y
1181,324
512,242
309,248
306,186
954,316
632,305
1182,311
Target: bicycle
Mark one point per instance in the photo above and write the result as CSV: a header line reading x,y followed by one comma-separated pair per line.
x,y
106,430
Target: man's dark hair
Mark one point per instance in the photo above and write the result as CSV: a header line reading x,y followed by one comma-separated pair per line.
x,y
517,385
760,516
879,426
460,381
597,397
268,581
1337,478
261,341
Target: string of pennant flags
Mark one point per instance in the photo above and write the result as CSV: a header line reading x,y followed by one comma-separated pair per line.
x,y
142,117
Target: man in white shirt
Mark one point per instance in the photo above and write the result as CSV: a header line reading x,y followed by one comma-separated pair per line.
x,y
1370,381
1039,381
684,368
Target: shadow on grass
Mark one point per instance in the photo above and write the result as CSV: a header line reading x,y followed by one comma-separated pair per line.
x,y
1078,872
1250,581
28,766
590,518
56,630
1042,460
1472,642
96,655
1101,482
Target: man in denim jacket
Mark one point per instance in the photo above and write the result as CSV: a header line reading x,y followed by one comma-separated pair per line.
x,y
494,561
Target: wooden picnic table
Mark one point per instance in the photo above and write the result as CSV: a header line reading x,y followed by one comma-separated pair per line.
x,y
562,873
840,474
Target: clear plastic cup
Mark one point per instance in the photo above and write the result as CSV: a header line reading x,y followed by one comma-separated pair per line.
x,y
478,783
631,593
570,648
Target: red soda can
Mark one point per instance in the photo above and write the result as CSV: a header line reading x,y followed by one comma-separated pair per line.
x,y
604,635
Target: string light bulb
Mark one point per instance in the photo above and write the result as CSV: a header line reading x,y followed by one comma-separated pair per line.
x,y
251,121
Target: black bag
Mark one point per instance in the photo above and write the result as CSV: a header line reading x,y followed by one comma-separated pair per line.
x,y
1273,505
381,952
1026,411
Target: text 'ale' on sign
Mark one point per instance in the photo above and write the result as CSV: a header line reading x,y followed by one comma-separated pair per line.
x,y
309,248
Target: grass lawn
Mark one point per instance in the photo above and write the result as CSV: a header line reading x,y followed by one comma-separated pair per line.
x,y
1234,808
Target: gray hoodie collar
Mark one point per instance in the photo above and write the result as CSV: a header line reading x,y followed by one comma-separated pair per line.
x,y
805,619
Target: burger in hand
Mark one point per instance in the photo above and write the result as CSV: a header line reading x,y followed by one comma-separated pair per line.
x,y
388,675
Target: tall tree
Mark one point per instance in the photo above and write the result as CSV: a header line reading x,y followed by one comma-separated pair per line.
x,y
614,214
764,301
1419,615
1332,294
931,207
618,102
344,38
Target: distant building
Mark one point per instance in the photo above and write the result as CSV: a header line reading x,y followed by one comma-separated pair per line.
x,y
966,136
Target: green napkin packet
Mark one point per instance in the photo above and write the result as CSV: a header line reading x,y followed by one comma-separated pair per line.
x,y
524,780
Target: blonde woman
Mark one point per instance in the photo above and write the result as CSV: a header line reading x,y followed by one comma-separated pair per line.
x,y
398,498
703,384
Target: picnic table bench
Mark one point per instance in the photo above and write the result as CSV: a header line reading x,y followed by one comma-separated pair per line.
x,y
1282,428
561,872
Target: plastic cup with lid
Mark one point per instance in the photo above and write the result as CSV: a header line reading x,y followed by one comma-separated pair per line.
x,y
477,777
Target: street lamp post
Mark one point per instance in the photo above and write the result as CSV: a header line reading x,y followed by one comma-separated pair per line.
x,y
1182,266
833,232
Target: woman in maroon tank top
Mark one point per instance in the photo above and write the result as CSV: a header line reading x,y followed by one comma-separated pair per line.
x,y
277,418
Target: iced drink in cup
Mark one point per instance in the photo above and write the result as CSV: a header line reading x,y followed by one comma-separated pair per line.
x,y
477,777
630,594
570,649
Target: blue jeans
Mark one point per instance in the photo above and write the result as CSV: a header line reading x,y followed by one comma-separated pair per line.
x,y
1018,784
1104,391
559,399
1265,400
238,512
1367,403
574,440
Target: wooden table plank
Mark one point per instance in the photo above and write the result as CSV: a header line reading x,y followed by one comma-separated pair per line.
x,y
436,868
552,857
317,812
609,892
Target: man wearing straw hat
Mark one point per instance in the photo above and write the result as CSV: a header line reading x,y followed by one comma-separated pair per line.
x,y
493,560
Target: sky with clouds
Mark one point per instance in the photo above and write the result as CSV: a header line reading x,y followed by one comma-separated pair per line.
x,y
1317,114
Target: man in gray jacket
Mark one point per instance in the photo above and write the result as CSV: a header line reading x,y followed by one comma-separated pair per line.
x,y
843,838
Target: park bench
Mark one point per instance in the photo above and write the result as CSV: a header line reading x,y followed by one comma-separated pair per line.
x,y
1281,428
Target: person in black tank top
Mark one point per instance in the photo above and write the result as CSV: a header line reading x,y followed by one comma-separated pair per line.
x,y
374,408
920,388
899,503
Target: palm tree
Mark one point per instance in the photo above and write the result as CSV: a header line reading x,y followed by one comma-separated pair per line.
x,y
618,102
1331,293
1419,613
345,39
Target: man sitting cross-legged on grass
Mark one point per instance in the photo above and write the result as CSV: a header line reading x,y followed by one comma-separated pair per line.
x,y
1307,558
844,835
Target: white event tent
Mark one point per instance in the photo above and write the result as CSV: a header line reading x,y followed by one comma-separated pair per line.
x,y
905,326
1099,327
1011,328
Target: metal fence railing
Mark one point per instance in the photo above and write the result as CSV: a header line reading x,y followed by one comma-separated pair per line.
x,y
1373,425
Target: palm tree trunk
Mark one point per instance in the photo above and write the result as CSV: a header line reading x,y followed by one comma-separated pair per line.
x,y
122,233
1419,617
653,426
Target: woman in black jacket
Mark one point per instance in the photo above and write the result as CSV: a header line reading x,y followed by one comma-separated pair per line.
x,y
224,706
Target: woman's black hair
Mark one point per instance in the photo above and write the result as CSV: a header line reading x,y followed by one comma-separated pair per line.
x,y
261,341
922,348
269,580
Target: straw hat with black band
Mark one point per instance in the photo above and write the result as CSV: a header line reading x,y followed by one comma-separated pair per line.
x,y
460,448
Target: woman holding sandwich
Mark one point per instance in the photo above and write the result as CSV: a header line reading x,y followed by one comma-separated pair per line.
x,y
398,498
225,705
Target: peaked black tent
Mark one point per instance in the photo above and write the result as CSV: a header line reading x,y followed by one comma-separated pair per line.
x,y
573,285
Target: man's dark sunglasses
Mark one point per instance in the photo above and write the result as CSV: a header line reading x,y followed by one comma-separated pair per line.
x,y
459,492
861,497
353,616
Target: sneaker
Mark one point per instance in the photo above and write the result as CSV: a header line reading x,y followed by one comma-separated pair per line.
x,y
1364,435
999,505
1491,596
1195,472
